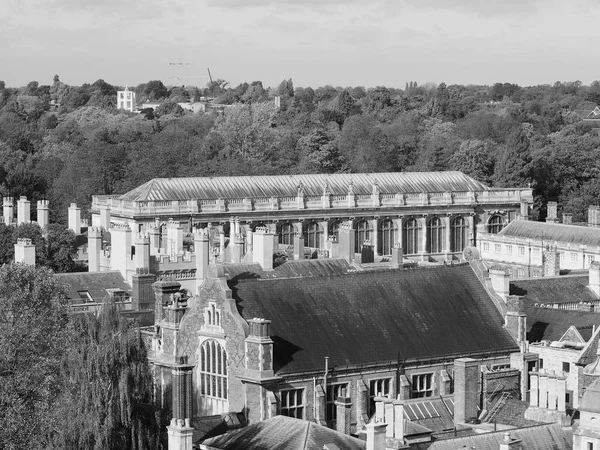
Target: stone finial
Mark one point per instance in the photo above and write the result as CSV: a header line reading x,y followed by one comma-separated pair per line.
x,y
351,187
326,190
300,188
376,189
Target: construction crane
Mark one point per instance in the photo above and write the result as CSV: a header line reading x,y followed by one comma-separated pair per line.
x,y
209,75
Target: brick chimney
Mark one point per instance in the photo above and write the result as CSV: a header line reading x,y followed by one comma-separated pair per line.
x,y
343,406
551,261
23,211
259,351
346,236
332,246
180,430
8,210
105,217
238,248
120,248
500,281
262,251
594,277
298,248
25,252
567,218
552,216
466,389
163,296
154,235
202,251
94,248
142,251
75,218
524,210
174,238
376,436
143,293
515,320
594,216
43,216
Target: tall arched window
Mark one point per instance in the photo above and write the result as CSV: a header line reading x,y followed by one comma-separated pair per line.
x,y
495,224
313,234
286,234
387,237
458,234
412,236
435,235
334,228
363,231
212,376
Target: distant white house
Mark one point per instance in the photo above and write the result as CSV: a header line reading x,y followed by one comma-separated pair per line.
x,y
126,100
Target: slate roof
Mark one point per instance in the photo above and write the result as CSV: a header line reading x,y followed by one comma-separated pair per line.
x,y
542,437
284,433
552,232
550,324
590,351
369,317
289,269
287,185
512,413
436,414
96,283
563,289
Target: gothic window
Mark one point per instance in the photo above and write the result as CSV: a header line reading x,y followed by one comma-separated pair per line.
x,y
435,235
363,231
212,315
495,224
422,385
459,234
286,234
213,378
387,237
412,236
313,234
377,388
334,228
333,392
292,403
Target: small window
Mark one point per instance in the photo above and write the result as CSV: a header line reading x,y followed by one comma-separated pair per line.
x,y
522,251
486,246
536,251
85,296
541,363
573,257
566,367
509,249
567,398
497,248
520,273
292,403
422,385
378,388
590,259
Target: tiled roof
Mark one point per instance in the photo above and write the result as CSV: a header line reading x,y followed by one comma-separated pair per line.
x,y
550,324
590,351
289,269
542,437
552,232
512,413
287,185
96,283
370,317
284,433
563,289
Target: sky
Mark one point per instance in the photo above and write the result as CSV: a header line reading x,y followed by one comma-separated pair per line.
x,y
314,42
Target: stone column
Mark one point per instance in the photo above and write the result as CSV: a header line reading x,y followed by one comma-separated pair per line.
x,y
447,236
399,232
324,227
422,221
471,223
375,236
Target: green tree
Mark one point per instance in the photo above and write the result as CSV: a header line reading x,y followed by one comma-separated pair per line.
x,y
513,168
107,386
475,158
318,154
33,336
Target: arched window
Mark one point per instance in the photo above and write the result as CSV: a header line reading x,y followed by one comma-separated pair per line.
x,y
334,228
212,376
313,234
387,237
458,234
286,234
363,231
412,236
495,224
435,235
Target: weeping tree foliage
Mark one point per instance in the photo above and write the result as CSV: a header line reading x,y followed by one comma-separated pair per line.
x,y
33,318
107,397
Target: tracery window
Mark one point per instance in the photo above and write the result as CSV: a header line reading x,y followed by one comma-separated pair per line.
x,y
334,228
212,375
459,236
313,235
387,237
412,236
286,234
363,231
495,224
435,235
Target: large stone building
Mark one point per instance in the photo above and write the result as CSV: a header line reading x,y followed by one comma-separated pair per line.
x,y
430,215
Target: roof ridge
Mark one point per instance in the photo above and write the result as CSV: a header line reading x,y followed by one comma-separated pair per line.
x,y
306,435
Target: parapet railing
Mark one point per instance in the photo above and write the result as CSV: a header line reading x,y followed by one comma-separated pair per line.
x,y
302,202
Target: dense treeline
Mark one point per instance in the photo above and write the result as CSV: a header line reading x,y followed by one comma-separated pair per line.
x,y
66,143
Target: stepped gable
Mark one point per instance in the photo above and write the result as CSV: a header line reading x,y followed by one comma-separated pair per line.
x,y
198,188
368,317
282,432
563,289
552,232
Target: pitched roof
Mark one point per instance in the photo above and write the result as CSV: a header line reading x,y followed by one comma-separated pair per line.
x,y
369,317
287,185
552,232
590,351
512,413
542,437
96,283
289,269
284,433
563,289
550,324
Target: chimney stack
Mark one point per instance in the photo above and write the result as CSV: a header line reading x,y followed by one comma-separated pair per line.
x,y
524,210
567,218
8,210
594,216
298,247
238,248
515,320
94,248
500,281
25,252
202,251
23,210
75,218
551,262
43,216
174,238
552,216
142,251
376,436
397,257
120,248
466,389
346,238
262,251
343,406
105,217
143,293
